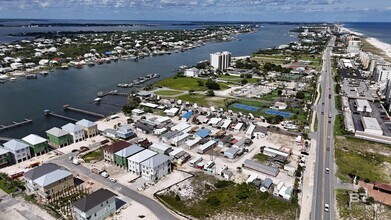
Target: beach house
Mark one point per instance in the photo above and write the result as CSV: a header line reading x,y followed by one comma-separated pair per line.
x,y
90,128
38,144
58,137
98,205
20,151
156,167
76,131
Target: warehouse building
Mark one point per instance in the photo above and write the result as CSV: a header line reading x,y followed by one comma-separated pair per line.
x,y
272,171
371,126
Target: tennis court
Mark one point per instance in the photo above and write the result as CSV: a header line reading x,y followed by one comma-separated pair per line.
x,y
246,107
275,112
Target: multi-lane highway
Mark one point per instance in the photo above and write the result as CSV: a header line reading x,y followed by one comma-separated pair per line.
x,y
323,195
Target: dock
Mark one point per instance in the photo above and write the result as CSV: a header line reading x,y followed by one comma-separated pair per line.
x,y
50,113
5,139
68,107
113,104
113,92
15,124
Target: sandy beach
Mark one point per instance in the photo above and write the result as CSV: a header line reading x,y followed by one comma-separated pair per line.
x,y
385,47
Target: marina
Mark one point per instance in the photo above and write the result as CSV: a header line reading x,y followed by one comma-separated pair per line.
x,y
139,80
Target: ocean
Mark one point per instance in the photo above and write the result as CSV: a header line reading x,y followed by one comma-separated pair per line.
x,y
378,30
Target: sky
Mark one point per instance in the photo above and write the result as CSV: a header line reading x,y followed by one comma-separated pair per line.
x,y
201,10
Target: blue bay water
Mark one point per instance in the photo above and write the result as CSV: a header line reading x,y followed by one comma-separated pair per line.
x,y
78,87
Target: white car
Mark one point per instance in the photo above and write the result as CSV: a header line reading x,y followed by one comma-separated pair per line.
x,y
327,170
326,207
113,180
104,174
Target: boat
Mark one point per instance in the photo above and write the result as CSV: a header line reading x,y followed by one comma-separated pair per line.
x,y
13,79
79,66
2,81
97,100
44,73
31,76
64,66
91,64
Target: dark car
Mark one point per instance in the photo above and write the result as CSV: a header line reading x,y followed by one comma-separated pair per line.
x,y
322,113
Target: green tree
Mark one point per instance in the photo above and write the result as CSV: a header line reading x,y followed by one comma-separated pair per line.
x,y
300,95
213,201
210,92
210,84
191,92
279,92
370,200
200,83
244,81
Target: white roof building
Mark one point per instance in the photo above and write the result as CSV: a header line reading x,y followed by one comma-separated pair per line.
x,y
181,126
371,126
362,105
34,139
171,112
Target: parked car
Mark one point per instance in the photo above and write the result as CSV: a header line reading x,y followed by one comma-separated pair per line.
x,y
104,174
113,180
327,170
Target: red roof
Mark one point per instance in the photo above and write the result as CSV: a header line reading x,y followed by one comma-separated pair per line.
x,y
117,146
382,186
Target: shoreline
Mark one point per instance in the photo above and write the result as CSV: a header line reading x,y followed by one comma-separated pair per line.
x,y
384,47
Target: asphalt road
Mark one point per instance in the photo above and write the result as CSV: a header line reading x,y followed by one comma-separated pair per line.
x,y
151,204
324,183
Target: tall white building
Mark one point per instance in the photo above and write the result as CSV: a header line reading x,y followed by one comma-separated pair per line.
x,y
220,60
382,73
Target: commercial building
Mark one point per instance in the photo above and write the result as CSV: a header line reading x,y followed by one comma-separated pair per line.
x,y
47,179
121,156
371,126
156,167
58,137
96,206
382,73
363,105
76,131
272,171
134,162
90,128
220,60
38,144
20,151
109,151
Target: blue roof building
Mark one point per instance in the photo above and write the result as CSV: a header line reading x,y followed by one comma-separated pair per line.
x,y
186,116
203,133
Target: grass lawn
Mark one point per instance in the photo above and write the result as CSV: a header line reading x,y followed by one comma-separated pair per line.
x,y
185,83
260,157
93,156
338,130
8,185
167,92
270,96
237,79
363,157
227,197
203,100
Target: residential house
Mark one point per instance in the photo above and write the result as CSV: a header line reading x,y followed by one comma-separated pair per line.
x,y
203,133
178,140
250,131
20,151
171,112
98,205
160,148
109,151
267,183
227,174
260,132
90,128
134,162
186,116
225,141
47,179
110,133
5,157
38,144
125,132
168,136
58,137
182,126
76,131
121,157
232,152
156,167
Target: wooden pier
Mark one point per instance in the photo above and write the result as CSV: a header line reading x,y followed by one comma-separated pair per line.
x,y
114,92
49,113
67,107
5,139
15,124
113,104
